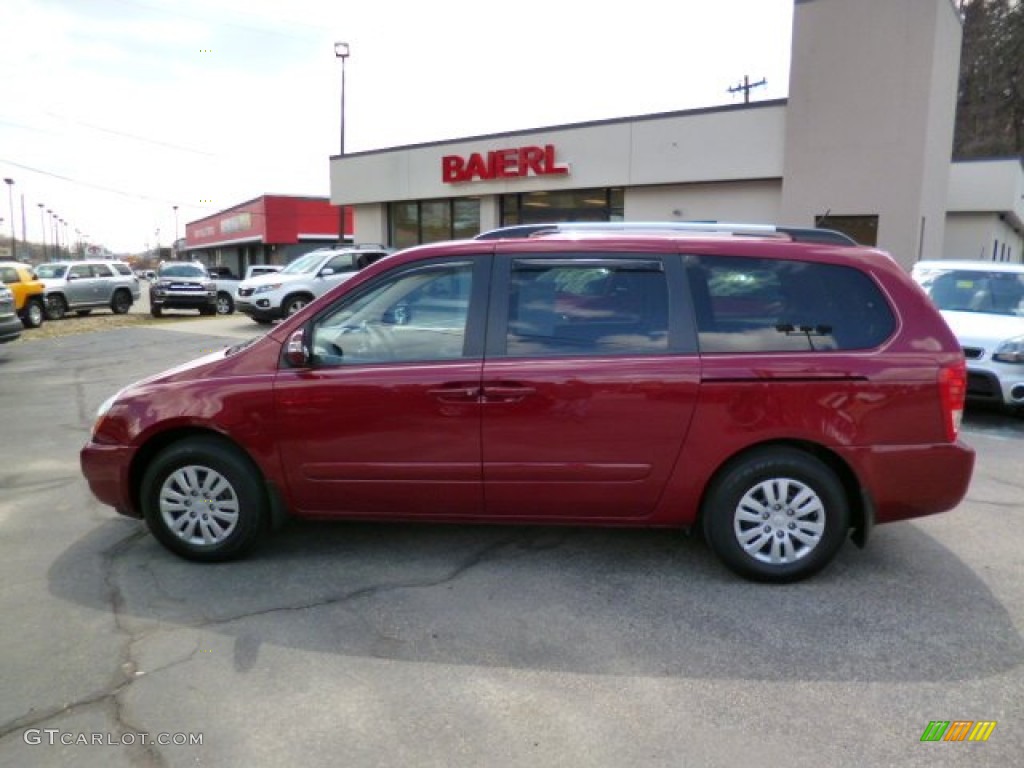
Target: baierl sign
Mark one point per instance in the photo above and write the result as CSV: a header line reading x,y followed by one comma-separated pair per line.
x,y
502,164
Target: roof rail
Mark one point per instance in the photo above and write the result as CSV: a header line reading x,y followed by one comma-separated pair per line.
x,y
799,234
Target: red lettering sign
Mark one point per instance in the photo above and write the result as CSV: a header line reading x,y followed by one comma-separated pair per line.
x,y
502,164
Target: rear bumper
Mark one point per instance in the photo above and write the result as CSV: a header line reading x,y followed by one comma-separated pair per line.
x,y
913,481
107,470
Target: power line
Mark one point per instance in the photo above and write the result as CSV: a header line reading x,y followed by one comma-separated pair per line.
x,y
100,187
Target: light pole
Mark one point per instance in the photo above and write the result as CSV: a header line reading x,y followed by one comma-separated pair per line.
x,y
341,51
10,198
175,231
42,227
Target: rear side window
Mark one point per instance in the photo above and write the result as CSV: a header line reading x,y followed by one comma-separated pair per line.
x,y
123,269
589,307
774,305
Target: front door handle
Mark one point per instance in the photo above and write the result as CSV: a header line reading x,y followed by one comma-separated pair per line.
x,y
456,393
506,393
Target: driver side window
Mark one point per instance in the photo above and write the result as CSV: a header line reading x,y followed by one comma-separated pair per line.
x,y
416,316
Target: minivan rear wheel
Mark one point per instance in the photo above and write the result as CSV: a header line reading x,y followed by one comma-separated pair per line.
x,y
776,515
204,500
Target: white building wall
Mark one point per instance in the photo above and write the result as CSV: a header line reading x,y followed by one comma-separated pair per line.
x,y
872,98
710,145
751,202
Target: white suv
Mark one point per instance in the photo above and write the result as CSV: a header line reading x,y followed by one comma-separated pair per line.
x,y
983,304
280,294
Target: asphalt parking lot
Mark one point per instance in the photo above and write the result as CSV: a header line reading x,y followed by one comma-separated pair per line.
x,y
404,645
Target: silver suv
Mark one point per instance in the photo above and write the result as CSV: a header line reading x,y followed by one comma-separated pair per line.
x,y
82,286
280,294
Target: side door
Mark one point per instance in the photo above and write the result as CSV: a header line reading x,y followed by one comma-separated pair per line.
x,y
104,277
589,385
385,419
81,285
338,269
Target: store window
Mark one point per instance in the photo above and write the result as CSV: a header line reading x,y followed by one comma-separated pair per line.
x,y
431,221
563,205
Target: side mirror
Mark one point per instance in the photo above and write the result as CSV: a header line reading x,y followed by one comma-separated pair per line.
x,y
326,271
295,352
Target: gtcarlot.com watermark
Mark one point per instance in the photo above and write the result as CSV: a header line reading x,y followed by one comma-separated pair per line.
x,y
55,736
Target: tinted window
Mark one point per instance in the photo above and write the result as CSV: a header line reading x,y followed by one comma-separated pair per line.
x,y
417,315
123,269
999,293
773,305
343,262
9,275
101,270
80,270
599,307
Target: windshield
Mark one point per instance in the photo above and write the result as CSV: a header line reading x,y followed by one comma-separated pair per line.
x,y
304,264
51,270
963,290
182,270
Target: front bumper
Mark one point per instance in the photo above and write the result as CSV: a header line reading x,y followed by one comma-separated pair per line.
x,y
184,301
107,469
252,307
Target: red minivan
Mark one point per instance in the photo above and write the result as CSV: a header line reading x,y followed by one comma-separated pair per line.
x,y
778,389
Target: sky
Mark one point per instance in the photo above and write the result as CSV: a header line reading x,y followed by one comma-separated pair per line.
x,y
113,112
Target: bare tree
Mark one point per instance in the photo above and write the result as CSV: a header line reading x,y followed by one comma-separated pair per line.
x,y
990,99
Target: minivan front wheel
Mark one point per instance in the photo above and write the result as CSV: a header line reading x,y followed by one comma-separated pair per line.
x,y
204,500
776,515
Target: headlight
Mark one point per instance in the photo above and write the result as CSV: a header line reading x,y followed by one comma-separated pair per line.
x,y
267,288
1010,351
103,410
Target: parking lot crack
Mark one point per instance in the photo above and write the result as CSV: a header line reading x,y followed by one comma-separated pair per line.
x,y
484,555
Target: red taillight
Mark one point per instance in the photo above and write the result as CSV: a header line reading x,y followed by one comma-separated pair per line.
x,y
952,391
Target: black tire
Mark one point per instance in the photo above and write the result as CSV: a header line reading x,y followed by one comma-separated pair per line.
x,y
35,313
788,506
56,307
225,304
121,302
293,304
204,488
156,310
83,312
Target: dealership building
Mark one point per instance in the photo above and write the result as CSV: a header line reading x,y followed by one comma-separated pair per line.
x,y
862,144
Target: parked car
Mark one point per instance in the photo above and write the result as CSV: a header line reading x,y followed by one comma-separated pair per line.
x,y
280,294
10,326
255,270
776,393
82,286
226,282
983,302
29,292
182,285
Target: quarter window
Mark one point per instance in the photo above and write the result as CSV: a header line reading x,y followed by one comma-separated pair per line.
x,y
613,307
772,305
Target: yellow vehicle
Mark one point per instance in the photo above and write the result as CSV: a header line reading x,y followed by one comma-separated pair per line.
x,y
29,300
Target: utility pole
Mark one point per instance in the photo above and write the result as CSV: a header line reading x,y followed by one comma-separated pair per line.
x,y
745,86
